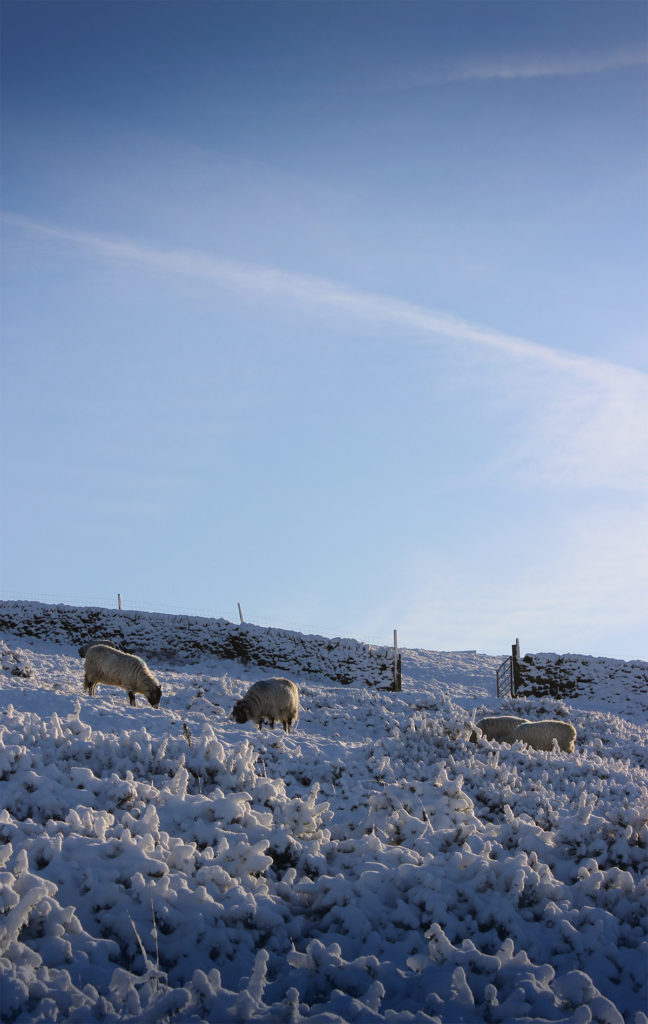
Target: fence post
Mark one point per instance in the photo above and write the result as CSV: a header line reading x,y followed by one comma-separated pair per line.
x,y
397,679
240,611
515,668
119,601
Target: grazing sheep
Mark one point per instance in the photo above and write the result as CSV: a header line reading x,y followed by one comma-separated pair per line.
x,y
540,735
83,650
497,727
106,665
273,700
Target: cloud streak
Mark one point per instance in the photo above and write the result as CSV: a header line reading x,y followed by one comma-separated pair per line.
x,y
523,67
585,419
309,290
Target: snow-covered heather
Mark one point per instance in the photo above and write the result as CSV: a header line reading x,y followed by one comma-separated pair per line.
x,y
372,866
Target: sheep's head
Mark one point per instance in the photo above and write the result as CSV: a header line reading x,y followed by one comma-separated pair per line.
x,y
240,712
154,696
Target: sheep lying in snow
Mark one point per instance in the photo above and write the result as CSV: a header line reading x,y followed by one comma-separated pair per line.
x,y
106,665
272,700
84,648
540,735
497,727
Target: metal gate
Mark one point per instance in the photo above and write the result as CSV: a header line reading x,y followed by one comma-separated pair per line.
x,y
506,679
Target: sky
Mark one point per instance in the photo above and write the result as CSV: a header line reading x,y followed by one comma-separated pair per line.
x,y
337,310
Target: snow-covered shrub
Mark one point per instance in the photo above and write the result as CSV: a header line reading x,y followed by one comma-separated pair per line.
x,y
14,662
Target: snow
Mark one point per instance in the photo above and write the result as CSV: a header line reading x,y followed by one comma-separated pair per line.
x,y
371,866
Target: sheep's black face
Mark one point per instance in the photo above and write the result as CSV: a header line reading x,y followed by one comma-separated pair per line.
x,y
154,696
240,712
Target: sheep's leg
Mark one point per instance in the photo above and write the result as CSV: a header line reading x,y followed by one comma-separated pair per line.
x,y
131,697
88,686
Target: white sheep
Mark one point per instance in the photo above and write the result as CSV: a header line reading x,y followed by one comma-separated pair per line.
x,y
115,668
274,700
497,727
540,735
83,650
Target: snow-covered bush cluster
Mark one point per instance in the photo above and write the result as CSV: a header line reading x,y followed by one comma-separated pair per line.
x,y
15,662
371,866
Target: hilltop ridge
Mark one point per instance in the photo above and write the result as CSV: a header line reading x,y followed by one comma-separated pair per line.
x,y
173,640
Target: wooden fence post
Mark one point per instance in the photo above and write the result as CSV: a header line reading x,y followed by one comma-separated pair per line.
x,y
398,684
515,668
240,612
119,601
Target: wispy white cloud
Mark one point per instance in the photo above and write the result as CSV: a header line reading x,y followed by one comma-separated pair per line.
x,y
584,422
573,587
585,431
310,290
517,67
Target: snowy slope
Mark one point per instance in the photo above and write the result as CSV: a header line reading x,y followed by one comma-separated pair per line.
x,y
372,866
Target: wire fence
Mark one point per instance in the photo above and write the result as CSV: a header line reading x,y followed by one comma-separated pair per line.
x,y
133,604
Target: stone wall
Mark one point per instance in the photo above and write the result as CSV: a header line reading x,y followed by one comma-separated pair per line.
x,y
574,675
184,639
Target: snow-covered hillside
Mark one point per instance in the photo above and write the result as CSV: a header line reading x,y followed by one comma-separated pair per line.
x,y
372,866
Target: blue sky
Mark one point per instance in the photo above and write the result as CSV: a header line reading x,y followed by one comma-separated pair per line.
x,y
338,310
